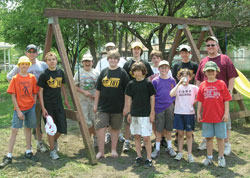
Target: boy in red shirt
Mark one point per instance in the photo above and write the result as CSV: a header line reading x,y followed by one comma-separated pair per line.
x,y
213,98
23,91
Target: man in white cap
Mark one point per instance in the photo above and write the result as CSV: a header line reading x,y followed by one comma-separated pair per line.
x,y
227,73
103,63
137,51
185,62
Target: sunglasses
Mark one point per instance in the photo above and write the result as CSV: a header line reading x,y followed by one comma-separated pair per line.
x,y
32,52
210,45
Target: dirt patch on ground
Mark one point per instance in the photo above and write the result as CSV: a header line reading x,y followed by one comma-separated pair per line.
x,y
73,162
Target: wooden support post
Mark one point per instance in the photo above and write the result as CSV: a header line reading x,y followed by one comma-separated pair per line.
x,y
195,51
73,92
175,44
49,36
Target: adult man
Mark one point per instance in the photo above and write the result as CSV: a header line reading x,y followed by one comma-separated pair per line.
x,y
103,63
36,68
227,73
137,51
185,62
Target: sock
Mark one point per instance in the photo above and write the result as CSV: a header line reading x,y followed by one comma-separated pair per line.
x,y
9,155
28,151
169,143
127,141
157,145
210,157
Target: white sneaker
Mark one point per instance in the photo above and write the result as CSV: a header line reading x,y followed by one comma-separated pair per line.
x,y
170,151
207,161
203,145
155,153
54,155
95,144
41,147
178,157
221,161
107,138
56,147
121,138
227,149
190,159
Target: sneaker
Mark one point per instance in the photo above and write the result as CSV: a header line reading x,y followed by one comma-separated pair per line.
x,y
138,162
227,149
148,163
190,159
221,161
107,138
6,161
95,142
170,151
164,142
126,146
203,145
56,147
54,155
178,157
207,161
155,153
30,156
41,147
121,138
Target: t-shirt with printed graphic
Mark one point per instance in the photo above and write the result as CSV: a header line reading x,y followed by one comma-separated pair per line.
x,y
185,98
128,65
162,98
24,87
112,85
213,95
86,81
140,92
190,65
51,82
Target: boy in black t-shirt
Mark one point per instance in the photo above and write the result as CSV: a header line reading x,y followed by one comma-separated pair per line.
x,y
141,113
109,102
51,83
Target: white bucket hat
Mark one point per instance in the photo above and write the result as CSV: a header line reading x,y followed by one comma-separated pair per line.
x,y
50,126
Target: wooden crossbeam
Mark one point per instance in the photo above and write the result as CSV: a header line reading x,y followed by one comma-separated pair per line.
x,y
73,92
97,15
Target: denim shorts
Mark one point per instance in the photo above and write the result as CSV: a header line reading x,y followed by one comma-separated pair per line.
x,y
219,130
29,118
184,122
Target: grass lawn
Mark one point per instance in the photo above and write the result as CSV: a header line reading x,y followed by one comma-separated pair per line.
x,y
74,162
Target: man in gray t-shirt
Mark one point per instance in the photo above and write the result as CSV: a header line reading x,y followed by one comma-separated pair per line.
x,y
36,69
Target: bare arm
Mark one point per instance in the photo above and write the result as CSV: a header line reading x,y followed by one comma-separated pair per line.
x,y
226,113
198,83
125,109
152,112
66,101
44,111
97,96
199,111
174,90
231,85
19,112
129,102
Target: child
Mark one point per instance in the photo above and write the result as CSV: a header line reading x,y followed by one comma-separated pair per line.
x,y
85,81
51,83
23,91
164,108
109,102
141,100
184,113
213,98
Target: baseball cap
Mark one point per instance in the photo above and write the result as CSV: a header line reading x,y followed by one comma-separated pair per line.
x,y
87,57
210,65
213,38
110,44
185,47
163,62
136,44
23,59
31,46
50,126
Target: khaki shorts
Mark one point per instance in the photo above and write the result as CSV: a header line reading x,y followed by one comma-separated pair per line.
x,y
104,120
165,119
88,113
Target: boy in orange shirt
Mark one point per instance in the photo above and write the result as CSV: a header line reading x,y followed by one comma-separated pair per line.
x,y
23,91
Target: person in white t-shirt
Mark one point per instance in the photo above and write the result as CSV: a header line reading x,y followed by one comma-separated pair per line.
x,y
184,113
103,63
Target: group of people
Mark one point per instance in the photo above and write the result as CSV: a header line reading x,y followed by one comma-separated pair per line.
x,y
145,98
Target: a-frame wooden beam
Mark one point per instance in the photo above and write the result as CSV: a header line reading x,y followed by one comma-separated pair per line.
x,y
175,43
48,40
72,88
